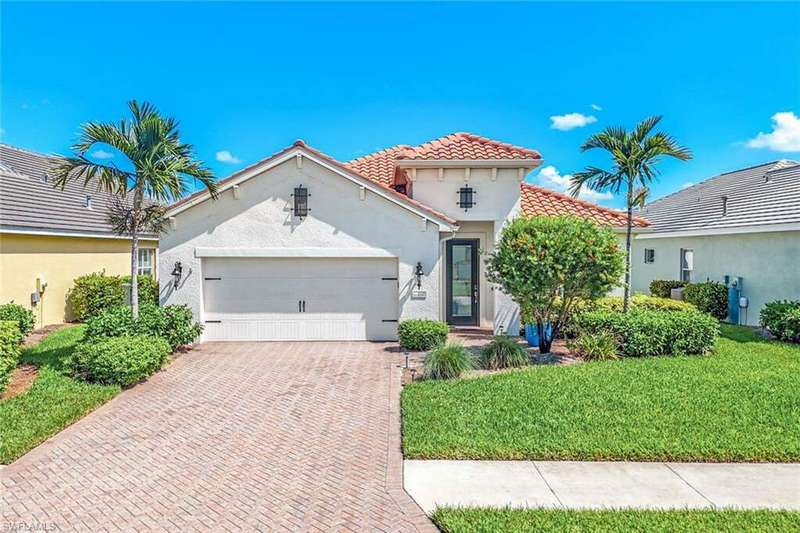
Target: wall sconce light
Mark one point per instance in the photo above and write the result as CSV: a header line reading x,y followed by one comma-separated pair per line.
x,y
418,273
176,273
466,197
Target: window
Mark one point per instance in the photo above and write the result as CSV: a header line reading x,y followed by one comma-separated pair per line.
x,y
724,205
401,188
466,197
687,265
649,255
144,261
87,202
301,202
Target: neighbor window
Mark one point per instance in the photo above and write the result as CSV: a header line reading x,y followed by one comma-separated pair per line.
x,y
144,263
87,202
649,255
687,265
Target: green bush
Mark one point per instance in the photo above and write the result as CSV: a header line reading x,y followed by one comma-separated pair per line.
x,y
10,339
600,346
641,301
422,334
503,352
662,288
94,293
122,361
21,316
147,288
174,323
642,332
782,319
447,361
709,297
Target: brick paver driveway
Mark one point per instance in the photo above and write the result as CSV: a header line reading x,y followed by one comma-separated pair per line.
x,y
269,436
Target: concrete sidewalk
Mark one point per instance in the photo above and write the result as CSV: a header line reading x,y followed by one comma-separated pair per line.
x,y
593,485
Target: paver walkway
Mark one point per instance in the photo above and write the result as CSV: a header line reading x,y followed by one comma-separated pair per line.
x,y
238,436
580,485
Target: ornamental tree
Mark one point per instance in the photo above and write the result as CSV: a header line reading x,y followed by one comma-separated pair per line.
x,y
548,264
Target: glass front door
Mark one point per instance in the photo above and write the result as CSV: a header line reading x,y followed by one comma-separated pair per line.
x,y
462,282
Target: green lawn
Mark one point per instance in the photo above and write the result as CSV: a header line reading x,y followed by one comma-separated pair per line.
x,y
740,404
473,520
53,402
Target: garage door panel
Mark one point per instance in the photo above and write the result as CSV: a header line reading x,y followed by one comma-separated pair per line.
x,y
258,299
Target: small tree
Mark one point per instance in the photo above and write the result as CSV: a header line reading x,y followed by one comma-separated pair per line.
x,y
548,264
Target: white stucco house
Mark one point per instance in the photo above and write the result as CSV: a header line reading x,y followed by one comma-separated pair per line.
x,y
741,226
302,247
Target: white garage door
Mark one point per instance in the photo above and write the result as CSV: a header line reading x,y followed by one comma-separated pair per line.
x,y
255,299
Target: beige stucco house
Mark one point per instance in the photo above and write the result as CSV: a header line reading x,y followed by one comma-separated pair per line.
x,y
49,236
742,225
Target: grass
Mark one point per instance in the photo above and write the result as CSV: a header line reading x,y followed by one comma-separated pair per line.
x,y
476,520
53,402
740,404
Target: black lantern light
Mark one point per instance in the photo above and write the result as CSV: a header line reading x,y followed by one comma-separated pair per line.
x,y
466,197
418,273
301,202
176,273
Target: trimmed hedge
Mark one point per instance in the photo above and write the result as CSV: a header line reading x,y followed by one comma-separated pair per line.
x,y
662,288
92,294
173,323
122,361
709,297
147,288
641,301
10,340
645,333
21,316
782,319
422,334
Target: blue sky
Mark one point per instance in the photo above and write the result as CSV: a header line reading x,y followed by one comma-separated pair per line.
x,y
249,78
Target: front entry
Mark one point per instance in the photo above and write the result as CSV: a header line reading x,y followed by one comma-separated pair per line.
x,y
463,285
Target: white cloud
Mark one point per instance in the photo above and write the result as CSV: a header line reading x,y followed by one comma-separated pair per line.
x,y
596,107
785,136
687,185
571,121
224,156
550,177
101,154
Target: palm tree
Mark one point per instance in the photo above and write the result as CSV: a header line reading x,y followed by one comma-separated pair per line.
x,y
162,166
635,155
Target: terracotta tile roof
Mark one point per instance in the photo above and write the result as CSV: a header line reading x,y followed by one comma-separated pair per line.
x,y
379,166
468,146
540,201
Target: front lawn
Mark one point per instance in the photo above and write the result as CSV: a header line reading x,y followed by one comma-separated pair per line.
x,y
473,520
740,404
53,402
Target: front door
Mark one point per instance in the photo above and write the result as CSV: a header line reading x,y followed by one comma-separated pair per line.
x,y
462,282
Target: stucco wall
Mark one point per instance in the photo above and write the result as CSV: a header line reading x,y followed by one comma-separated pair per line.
x,y
768,262
59,260
339,218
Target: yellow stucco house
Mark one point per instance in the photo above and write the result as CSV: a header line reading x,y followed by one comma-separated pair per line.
x,y
49,236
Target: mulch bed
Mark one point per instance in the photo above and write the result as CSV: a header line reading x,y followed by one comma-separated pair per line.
x,y
21,380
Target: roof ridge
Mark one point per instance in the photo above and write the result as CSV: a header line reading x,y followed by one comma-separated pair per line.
x,y
380,152
477,138
29,151
581,201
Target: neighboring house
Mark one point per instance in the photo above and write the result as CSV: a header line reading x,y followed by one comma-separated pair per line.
x,y
302,247
49,236
741,224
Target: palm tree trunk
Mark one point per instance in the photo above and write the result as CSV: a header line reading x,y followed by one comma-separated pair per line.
x,y
626,299
137,204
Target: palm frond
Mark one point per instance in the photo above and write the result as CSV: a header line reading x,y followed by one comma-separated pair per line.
x,y
594,178
79,168
643,128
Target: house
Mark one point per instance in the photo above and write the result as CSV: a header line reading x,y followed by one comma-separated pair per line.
x,y
49,236
302,247
741,226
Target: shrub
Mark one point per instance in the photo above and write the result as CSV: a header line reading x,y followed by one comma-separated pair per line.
x,y
120,361
180,328
547,263
147,288
21,316
709,297
662,288
595,346
174,323
641,301
10,339
782,319
642,332
447,361
503,352
422,334
94,293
